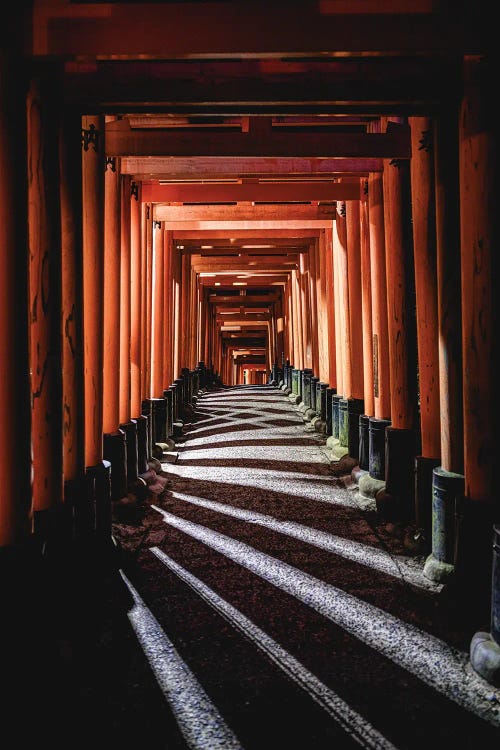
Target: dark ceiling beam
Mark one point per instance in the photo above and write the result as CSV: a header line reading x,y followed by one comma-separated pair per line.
x,y
270,191
241,29
261,140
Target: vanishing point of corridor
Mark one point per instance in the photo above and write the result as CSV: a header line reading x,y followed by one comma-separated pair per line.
x,y
274,610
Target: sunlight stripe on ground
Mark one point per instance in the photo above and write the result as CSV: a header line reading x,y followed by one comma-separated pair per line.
x,y
352,722
432,660
305,486
199,721
360,553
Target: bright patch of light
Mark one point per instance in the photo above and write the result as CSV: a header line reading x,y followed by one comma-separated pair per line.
x,y
427,657
199,720
349,719
360,553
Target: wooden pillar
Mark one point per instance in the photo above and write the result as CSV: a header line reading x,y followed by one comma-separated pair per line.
x,y
93,263
114,439
124,407
313,305
424,251
479,232
167,310
71,301
15,417
381,371
354,295
398,501
136,374
157,312
366,304
327,236
93,514
146,296
177,320
304,309
425,264
337,305
340,248
45,301
297,322
112,299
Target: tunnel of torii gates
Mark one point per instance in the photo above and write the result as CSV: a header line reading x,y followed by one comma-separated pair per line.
x,y
368,299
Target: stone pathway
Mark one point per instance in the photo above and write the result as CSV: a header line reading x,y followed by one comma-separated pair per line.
x,y
272,611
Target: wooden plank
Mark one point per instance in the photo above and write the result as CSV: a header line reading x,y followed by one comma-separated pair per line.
x,y
176,30
191,167
263,140
243,213
270,191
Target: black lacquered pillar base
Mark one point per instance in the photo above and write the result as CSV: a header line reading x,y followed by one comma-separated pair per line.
x,y
115,451
446,488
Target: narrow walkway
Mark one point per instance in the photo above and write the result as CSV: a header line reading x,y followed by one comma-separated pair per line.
x,y
272,612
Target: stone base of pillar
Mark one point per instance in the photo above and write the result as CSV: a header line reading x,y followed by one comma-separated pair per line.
x,y
310,414
338,451
178,429
53,527
485,657
320,426
437,570
397,502
424,468
485,647
115,451
294,398
368,489
343,466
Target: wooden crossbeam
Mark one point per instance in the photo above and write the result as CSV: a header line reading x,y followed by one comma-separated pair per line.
x,y
193,167
261,140
271,191
244,212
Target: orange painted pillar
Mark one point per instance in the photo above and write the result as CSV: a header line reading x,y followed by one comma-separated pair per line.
x,y
355,405
327,237
177,342
323,362
339,443
112,299
398,501
93,264
114,440
127,423
136,374
70,167
447,479
146,296
367,330
425,264
44,306
297,322
158,310
313,306
167,309
124,407
304,309
380,339
94,514
15,417
479,224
